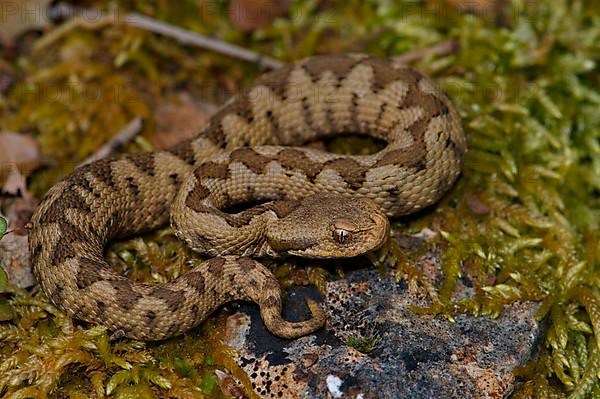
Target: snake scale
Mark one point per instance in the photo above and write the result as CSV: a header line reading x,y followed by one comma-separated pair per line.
x,y
308,202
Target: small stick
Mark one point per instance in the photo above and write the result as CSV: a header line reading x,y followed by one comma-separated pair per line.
x,y
123,137
442,48
93,19
188,37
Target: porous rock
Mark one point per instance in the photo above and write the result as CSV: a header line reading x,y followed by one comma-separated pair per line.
x,y
404,355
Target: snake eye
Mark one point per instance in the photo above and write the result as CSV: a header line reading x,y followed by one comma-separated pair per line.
x,y
342,236
342,230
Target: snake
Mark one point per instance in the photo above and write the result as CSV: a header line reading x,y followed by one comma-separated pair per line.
x,y
247,187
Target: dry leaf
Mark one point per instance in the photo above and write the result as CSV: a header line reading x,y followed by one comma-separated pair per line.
x,y
177,122
476,204
20,16
19,155
229,386
249,15
15,183
19,209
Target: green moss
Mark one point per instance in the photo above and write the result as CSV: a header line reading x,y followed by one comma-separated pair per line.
x,y
363,344
522,223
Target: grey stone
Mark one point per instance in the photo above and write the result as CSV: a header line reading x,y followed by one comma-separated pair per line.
x,y
411,355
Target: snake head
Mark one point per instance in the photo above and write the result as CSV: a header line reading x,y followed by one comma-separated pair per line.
x,y
329,226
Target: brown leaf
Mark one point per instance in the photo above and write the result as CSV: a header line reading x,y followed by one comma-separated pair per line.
x,y
19,155
15,183
229,386
476,204
19,210
176,122
20,16
249,15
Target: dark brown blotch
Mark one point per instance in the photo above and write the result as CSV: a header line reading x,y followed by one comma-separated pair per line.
x,y
244,217
459,151
431,106
172,298
251,159
384,74
241,107
185,152
196,281
132,186
90,271
69,199
292,159
405,157
35,253
145,162
382,108
55,294
308,116
338,64
417,130
83,182
175,328
100,308
101,170
283,208
125,296
246,264
215,266
353,123
196,312
196,196
216,134
277,80
194,202
69,234
150,317
350,170
175,180
211,170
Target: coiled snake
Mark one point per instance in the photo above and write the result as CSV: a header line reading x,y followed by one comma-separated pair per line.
x,y
311,203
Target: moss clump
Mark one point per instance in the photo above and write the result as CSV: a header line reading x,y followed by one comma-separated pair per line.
x,y
522,223
363,344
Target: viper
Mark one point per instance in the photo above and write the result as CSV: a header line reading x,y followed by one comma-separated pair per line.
x,y
307,202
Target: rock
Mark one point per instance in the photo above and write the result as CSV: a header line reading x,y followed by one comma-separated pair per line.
x,y
374,347
14,257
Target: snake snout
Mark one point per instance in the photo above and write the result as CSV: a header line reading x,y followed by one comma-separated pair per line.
x,y
381,229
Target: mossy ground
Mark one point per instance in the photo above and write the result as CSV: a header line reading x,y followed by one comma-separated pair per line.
x,y
522,223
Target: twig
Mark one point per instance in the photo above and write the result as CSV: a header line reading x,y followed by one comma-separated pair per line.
x,y
442,48
123,137
93,19
187,37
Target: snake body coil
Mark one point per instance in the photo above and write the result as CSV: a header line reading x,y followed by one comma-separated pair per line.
x,y
315,204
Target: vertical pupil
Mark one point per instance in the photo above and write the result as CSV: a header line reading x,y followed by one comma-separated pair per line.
x,y
341,235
